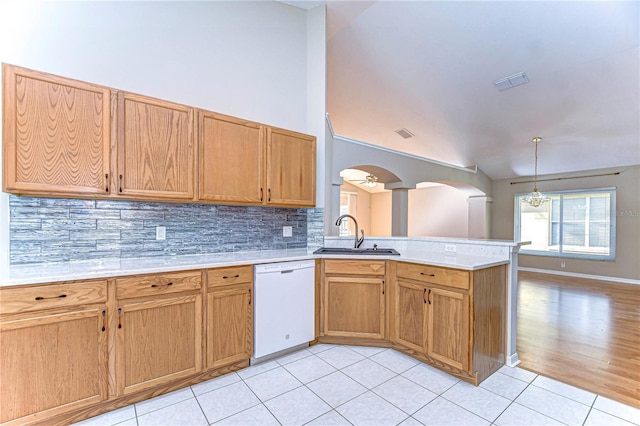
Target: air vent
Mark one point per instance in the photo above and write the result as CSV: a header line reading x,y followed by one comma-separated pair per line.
x,y
405,133
511,81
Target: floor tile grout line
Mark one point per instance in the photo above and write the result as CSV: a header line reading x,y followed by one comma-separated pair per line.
x,y
536,411
199,405
568,397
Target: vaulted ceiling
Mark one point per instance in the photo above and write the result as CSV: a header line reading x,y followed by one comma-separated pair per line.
x,y
430,67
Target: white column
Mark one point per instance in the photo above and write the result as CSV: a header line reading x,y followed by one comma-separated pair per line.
x,y
399,212
512,308
479,217
332,211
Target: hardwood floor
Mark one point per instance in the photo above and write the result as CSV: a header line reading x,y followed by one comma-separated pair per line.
x,y
582,332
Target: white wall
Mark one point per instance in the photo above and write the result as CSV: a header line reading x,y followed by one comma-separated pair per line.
x,y
439,211
259,60
247,59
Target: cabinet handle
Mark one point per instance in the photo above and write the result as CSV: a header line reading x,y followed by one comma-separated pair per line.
x,y
119,317
161,285
269,195
250,296
120,183
104,315
424,297
382,286
106,181
428,275
429,296
62,296
226,277
261,193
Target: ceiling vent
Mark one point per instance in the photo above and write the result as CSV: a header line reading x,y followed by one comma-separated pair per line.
x,y
511,81
405,133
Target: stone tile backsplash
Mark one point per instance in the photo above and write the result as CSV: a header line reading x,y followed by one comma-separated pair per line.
x,y
59,230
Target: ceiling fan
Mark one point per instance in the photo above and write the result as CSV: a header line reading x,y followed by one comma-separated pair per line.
x,y
369,181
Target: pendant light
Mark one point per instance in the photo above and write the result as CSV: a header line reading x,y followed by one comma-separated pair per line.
x,y
535,198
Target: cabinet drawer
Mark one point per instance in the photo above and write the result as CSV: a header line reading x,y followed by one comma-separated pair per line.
x,y
231,275
432,274
354,267
149,285
47,296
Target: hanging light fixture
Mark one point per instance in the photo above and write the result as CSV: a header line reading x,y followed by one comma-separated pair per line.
x,y
535,198
371,181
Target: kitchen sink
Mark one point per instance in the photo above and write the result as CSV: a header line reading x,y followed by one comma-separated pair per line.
x,y
356,251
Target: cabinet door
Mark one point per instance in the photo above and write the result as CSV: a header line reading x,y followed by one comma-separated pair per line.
x,y
229,325
155,148
52,363
354,307
158,341
291,168
448,333
56,134
410,320
231,159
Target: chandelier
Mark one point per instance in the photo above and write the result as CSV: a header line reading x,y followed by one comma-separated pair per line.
x,y
535,198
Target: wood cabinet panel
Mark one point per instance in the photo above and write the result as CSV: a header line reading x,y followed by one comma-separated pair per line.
x,y
410,321
291,168
354,307
354,267
448,334
57,134
52,364
231,159
155,148
158,341
229,325
158,284
229,276
47,296
433,274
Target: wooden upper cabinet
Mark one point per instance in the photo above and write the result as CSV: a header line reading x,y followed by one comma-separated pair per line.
x,y
155,148
56,134
291,168
231,159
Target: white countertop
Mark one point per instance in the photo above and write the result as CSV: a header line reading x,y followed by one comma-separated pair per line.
x,y
107,268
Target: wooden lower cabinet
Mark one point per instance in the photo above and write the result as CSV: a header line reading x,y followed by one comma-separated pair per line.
x,y
410,324
229,325
52,363
158,341
448,327
450,318
353,299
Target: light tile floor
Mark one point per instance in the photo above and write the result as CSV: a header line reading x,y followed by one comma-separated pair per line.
x,y
353,385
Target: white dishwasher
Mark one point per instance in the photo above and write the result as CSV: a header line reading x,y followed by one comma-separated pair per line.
x,y
284,307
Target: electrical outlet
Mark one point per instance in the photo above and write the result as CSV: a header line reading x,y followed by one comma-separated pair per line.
x,y
161,233
563,264
287,231
449,248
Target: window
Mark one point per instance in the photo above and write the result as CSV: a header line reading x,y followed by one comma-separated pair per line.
x,y
577,224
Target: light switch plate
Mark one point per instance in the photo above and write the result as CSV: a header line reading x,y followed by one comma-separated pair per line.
x,y
287,231
449,248
161,233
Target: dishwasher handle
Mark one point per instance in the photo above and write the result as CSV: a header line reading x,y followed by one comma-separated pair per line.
x,y
286,271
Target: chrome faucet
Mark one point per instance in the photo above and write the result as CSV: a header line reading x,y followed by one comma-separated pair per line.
x,y
358,241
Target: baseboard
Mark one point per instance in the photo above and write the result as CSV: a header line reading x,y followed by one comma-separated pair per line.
x,y
577,275
512,360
